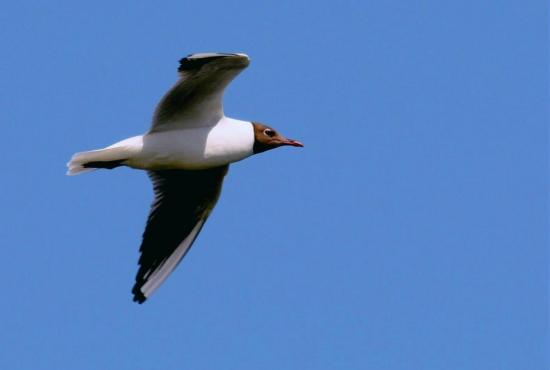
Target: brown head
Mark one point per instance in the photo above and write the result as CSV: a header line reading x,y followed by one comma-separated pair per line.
x,y
266,138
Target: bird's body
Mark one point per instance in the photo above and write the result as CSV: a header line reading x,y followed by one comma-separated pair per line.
x,y
194,148
186,153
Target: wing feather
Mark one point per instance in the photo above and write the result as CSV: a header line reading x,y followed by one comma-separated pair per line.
x,y
183,202
196,98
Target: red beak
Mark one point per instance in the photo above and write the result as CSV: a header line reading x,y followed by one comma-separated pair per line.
x,y
292,143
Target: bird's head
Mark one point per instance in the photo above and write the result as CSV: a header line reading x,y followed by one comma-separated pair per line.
x,y
266,138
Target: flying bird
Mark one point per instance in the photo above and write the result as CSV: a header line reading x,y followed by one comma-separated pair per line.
x,y
186,153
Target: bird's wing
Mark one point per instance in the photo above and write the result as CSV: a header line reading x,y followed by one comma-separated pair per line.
x,y
196,99
183,201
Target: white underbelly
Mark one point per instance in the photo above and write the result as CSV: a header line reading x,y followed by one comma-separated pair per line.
x,y
194,148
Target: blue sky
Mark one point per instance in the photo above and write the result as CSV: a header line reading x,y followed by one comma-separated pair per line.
x,y
410,233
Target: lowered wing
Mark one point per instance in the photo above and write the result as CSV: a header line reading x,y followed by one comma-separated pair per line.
x,y
183,202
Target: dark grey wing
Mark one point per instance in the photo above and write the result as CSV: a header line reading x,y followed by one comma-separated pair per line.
x,y
196,98
183,201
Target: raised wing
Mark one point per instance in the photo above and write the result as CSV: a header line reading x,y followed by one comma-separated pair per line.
x,y
183,202
196,99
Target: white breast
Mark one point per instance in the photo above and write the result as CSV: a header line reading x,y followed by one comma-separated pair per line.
x,y
195,148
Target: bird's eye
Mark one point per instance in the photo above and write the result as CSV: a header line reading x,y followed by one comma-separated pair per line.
x,y
269,132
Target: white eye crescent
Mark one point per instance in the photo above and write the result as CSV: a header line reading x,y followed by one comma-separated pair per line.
x,y
269,132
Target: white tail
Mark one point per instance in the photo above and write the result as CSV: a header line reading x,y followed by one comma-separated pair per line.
x,y
101,158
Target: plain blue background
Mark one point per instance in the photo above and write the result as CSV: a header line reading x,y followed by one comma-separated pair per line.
x,y
409,233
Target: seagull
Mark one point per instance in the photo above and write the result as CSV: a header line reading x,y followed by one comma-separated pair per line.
x,y
186,153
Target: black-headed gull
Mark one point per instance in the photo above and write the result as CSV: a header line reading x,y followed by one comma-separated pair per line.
x,y
186,153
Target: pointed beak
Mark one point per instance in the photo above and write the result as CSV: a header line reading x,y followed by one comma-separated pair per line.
x,y
292,143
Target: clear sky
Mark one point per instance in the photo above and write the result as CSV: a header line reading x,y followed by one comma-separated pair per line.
x,y
410,233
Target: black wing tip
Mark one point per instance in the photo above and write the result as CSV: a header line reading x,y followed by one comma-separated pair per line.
x,y
195,61
138,295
